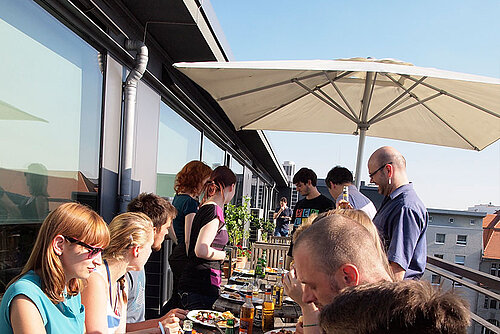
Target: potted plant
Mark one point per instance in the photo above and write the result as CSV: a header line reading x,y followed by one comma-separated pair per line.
x,y
236,216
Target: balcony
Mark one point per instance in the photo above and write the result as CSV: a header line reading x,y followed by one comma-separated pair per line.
x,y
466,278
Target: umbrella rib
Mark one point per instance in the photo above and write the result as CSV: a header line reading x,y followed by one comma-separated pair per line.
x,y
421,102
343,112
329,98
386,109
340,94
455,97
258,89
407,107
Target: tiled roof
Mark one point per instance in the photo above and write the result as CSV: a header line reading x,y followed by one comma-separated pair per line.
x,y
491,236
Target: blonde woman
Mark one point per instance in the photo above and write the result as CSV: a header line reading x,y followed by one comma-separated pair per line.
x,y
105,296
45,297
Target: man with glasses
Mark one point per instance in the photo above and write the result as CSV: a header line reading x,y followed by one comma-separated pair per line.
x,y
402,218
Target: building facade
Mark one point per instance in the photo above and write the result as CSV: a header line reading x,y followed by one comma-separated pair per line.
x,y
66,134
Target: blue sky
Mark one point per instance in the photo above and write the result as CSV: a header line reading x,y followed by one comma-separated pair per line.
x,y
460,36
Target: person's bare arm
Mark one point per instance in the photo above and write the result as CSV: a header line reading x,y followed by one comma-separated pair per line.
x,y
170,319
207,235
95,300
188,222
25,317
399,273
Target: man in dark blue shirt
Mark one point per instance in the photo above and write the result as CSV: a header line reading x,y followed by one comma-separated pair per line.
x,y
402,219
283,216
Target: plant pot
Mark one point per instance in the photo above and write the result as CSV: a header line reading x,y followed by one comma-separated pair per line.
x,y
241,262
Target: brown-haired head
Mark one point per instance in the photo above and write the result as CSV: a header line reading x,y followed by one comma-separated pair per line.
x,y
396,307
155,207
191,179
220,178
72,220
363,219
337,240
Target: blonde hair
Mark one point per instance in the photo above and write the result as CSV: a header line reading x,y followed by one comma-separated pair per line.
x,y
127,230
364,220
72,220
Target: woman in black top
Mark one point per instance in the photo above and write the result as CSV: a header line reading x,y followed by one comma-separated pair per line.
x,y
200,281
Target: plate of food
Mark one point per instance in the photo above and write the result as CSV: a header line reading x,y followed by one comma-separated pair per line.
x,y
289,330
249,272
236,297
240,288
241,279
210,318
275,271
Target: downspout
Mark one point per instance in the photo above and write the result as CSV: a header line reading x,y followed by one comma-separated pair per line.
x,y
130,98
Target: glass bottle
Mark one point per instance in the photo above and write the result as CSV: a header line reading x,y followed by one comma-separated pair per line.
x,y
278,287
268,311
247,314
229,326
344,202
187,327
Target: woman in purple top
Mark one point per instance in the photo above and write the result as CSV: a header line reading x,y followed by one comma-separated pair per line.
x,y
200,281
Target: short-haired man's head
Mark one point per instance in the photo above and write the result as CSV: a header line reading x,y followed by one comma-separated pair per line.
x,y
401,307
155,207
283,199
338,175
304,175
388,154
192,177
337,240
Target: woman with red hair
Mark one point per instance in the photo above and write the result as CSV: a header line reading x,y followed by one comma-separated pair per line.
x,y
200,281
189,184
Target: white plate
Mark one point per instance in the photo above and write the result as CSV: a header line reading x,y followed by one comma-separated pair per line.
x,y
277,331
238,287
244,271
241,299
192,316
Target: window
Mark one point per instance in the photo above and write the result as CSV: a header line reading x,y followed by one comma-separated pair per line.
x,y
493,303
486,302
212,155
435,279
460,259
440,238
473,222
452,220
178,143
493,269
430,219
462,240
439,256
51,98
237,169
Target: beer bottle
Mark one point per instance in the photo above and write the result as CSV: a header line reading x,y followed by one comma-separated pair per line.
x,y
229,326
247,314
278,287
344,202
268,311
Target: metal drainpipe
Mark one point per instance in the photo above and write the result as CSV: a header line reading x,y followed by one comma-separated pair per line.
x,y
130,95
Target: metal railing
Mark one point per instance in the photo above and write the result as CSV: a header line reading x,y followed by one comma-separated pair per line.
x,y
483,283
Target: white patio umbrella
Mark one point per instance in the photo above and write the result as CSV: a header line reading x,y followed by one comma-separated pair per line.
x,y
380,98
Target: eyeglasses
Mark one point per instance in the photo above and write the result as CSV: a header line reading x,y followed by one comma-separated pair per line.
x,y
94,251
378,170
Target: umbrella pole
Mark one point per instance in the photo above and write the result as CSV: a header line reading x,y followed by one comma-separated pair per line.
x,y
359,160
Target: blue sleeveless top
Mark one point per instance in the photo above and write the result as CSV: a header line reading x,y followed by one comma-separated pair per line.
x,y
64,317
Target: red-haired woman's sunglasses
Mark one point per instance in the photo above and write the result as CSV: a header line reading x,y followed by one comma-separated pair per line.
x,y
93,251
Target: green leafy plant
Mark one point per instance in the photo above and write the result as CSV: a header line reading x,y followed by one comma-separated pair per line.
x,y
265,225
235,217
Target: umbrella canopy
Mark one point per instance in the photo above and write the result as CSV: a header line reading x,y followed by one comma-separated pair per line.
x,y
380,98
11,113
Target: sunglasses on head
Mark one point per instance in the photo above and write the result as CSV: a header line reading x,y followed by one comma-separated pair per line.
x,y
93,251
